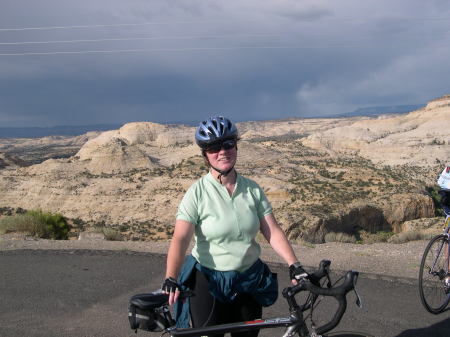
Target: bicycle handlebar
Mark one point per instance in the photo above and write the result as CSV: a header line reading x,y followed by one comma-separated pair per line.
x,y
339,293
321,272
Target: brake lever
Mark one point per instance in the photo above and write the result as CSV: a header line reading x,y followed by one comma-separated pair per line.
x,y
358,298
329,285
327,274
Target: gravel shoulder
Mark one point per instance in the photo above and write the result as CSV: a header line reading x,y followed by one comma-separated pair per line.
x,y
399,261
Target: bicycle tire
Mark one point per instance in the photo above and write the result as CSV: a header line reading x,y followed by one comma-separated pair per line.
x,y
433,269
348,334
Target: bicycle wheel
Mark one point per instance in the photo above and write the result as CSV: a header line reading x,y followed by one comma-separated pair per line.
x,y
433,269
348,334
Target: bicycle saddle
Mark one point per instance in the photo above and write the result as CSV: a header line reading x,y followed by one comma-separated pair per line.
x,y
149,301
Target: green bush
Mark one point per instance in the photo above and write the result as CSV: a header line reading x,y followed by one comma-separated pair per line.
x,y
340,237
432,191
368,237
37,223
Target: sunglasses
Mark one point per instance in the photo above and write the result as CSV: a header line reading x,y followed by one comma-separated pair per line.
x,y
226,145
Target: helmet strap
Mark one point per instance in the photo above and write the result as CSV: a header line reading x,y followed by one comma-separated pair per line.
x,y
221,172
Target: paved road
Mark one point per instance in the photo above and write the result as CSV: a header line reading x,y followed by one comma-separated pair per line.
x,y
85,293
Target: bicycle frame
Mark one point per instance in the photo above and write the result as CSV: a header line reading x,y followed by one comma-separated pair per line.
x,y
292,324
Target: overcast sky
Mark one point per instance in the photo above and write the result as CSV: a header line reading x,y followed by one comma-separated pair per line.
x,y
112,61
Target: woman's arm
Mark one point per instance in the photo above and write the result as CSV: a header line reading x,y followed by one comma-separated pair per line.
x,y
277,239
181,238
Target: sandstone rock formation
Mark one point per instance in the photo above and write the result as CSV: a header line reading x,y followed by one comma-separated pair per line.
x,y
419,138
137,146
389,215
321,175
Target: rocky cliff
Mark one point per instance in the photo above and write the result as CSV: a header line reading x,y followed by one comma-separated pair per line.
x,y
388,215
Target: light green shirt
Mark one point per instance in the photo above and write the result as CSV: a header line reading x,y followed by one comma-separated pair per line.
x,y
225,226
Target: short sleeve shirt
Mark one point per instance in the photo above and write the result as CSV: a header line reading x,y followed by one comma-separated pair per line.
x,y
225,226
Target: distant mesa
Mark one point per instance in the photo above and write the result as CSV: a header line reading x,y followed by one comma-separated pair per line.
x,y
63,130
381,110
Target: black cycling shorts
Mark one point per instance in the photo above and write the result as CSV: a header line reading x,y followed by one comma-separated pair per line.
x,y
205,310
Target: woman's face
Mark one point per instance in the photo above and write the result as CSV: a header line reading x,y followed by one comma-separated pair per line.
x,y
223,159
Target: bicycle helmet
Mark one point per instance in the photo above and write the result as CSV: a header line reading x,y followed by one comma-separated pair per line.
x,y
213,130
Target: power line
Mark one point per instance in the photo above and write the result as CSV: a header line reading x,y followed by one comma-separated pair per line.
x,y
136,50
167,50
101,26
189,22
141,38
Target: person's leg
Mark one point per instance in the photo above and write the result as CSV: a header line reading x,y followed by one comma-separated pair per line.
x,y
205,310
246,308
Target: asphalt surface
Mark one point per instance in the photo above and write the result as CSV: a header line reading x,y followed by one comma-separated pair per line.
x,y
86,292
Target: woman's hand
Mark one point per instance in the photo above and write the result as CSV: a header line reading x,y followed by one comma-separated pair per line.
x,y
171,287
296,272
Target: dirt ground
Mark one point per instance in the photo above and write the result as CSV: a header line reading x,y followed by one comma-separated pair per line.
x,y
377,260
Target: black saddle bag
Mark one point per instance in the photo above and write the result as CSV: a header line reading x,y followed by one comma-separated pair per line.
x,y
150,312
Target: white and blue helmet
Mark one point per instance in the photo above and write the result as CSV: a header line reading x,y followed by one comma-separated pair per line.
x,y
215,129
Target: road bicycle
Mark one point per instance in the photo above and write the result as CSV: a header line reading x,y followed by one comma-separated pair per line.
x,y
151,312
434,269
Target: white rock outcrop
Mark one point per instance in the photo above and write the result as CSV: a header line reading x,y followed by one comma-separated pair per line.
x,y
420,137
138,145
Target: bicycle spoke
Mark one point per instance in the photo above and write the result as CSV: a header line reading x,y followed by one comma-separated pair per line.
x,y
433,270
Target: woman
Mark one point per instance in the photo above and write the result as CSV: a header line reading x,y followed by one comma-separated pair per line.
x,y
224,211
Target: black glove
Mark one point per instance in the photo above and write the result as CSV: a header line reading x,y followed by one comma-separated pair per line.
x,y
296,271
170,285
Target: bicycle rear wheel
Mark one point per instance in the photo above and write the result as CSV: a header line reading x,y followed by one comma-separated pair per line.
x,y
433,269
348,334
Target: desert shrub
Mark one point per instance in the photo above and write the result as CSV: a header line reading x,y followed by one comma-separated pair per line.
x,y
80,224
124,228
37,223
368,237
432,191
410,236
6,211
20,210
304,243
55,224
340,237
111,234
21,223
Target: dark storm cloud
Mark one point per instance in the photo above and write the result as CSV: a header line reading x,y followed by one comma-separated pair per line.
x,y
182,60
